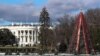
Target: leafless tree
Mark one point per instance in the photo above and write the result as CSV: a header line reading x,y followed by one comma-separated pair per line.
x,y
93,19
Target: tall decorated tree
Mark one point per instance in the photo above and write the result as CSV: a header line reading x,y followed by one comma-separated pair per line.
x,y
44,29
44,18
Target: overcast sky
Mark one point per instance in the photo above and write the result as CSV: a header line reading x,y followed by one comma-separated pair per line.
x,y
29,10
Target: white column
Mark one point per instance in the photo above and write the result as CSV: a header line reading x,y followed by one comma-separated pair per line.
x,y
28,39
24,39
19,35
37,40
21,41
35,36
32,37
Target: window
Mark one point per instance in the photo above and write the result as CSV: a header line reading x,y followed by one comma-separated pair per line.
x,y
18,32
22,32
21,45
30,38
26,32
22,38
33,38
33,35
14,32
30,32
33,32
26,38
18,39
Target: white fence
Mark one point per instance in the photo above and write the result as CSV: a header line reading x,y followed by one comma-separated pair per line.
x,y
52,54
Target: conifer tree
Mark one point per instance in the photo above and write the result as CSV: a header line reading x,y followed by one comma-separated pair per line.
x,y
45,24
44,18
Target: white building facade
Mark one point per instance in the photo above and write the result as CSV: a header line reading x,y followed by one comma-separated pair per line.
x,y
26,34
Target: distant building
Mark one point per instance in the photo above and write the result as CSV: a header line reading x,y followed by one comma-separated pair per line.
x,y
26,34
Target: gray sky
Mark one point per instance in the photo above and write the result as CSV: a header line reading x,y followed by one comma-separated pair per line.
x,y
22,10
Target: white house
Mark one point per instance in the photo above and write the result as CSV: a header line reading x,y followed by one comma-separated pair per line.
x,y
26,34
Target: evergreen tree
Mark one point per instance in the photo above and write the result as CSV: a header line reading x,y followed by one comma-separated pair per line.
x,y
45,24
44,18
